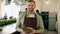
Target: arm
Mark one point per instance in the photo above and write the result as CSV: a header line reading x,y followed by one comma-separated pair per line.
x,y
40,25
18,27
19,23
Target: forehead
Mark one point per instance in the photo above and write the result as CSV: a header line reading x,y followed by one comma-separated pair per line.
x,y
30,3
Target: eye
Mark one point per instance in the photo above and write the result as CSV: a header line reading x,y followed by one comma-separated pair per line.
x,y
29,5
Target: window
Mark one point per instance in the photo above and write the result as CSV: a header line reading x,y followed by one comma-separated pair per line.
x,y
11,10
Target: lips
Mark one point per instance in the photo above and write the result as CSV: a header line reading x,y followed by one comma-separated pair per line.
x,y
31,8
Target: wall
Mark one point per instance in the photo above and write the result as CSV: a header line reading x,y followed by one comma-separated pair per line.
x,y
0,9
39,4
51,7
58,17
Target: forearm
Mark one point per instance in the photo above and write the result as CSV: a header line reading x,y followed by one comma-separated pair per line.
x,y
37,31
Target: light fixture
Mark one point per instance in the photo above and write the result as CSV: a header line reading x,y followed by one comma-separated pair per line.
x,y
47,2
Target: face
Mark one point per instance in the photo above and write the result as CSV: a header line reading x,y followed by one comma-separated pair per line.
x,y
31,6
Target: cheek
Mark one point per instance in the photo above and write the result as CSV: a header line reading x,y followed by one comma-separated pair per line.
x,y
33,7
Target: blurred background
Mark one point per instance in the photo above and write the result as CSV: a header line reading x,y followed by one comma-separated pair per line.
x,y
48,9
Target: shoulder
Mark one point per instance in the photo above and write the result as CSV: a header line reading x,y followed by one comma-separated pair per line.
x,y
39,16
22,14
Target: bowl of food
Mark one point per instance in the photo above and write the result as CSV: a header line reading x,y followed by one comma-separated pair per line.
x,y
28,29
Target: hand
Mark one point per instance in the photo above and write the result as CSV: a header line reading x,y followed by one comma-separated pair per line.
x,y
26,33
19,30
28,30
23,33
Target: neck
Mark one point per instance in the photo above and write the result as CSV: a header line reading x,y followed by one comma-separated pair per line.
x,y
30,12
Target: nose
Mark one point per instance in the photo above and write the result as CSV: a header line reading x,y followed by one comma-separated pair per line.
x,y
30,6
